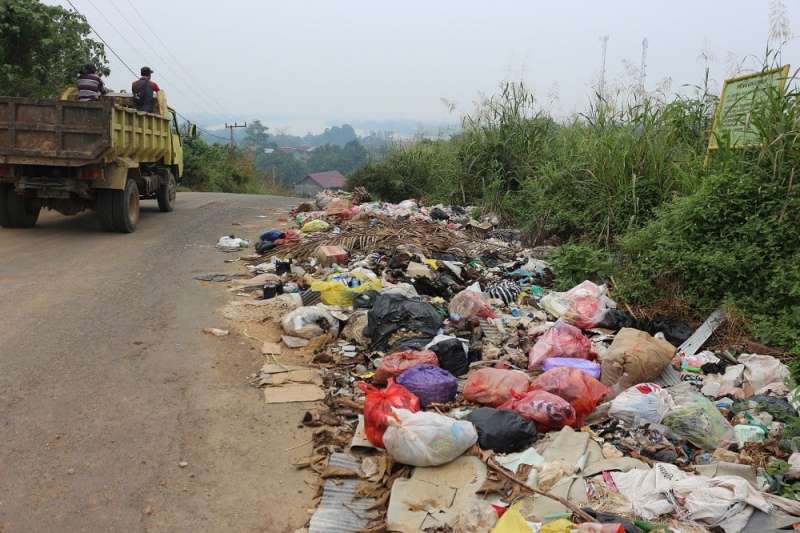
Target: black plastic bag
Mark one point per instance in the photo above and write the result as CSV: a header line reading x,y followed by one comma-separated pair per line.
x,y
392,312
404,344
616,319
263,247
365,300
452,356
675,331
438,214
502,430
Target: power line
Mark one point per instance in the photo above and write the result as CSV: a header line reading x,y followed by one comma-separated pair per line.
x,y
139,53
164,62
169,52
114,52
103,40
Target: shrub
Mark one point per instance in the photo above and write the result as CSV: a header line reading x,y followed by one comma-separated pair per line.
x,y
574,263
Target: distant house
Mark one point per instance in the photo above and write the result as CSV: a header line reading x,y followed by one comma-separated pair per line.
x,y
318,181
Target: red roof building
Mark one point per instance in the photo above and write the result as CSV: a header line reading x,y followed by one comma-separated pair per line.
x,y
318,181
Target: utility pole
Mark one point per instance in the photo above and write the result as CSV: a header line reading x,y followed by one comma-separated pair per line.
x,y
234,125
643,68
602,90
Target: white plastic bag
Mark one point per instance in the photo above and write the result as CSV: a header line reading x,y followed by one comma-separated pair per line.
x,y
230,243
308,322
643,403
427,439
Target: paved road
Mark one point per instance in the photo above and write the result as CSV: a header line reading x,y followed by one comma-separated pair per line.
x,y
107,383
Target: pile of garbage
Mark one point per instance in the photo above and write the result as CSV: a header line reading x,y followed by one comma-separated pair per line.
x,y
462,393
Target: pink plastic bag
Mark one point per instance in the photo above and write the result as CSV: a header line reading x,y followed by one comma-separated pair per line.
x,y
588,305
582,391
547,410
396,363
562,340
584,305
493,386
470,304
378,406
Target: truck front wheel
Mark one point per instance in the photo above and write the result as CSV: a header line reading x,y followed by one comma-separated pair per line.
x,y
17,211
119,210
167,191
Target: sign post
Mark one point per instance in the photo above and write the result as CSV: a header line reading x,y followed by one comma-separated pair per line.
x,y
740,96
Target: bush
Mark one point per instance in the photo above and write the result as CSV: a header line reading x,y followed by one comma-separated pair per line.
x,y
734,240
574,263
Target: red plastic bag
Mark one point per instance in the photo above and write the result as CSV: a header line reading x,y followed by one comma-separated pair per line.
x,y
493,386
547,410
562,340
581,390
378,405
470,304
396,363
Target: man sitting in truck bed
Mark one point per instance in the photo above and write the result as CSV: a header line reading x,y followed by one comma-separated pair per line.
x,y
143,91
90,86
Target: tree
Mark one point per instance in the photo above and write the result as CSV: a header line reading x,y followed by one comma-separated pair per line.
x,y
256,136
42,48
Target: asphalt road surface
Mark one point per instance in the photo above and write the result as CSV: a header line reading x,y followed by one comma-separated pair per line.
x,y
108,385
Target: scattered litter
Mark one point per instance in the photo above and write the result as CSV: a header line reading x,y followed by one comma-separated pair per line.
x,y
216,332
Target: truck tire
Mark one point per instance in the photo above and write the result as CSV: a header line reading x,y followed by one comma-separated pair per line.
x,y
104,205
17,211
5,221
125,208
167,191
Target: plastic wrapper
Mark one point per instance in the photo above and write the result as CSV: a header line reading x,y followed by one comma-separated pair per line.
x,y
502,430
641,404
396,363
342,289
590,367
634,357
562,340
493,386
547,410
315,225
584,305
309,322
582,391
469,304
427,439
378,406
430,384
697,420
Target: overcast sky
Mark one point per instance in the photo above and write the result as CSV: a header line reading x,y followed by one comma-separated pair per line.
x,y
307,63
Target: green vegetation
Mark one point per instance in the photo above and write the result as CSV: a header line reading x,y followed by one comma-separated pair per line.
x,y
42,48
624,190
214,167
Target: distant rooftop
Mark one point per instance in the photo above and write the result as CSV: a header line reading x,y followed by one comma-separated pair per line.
x,y
330,179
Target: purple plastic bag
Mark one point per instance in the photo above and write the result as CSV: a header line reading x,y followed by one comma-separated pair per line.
x,y
590,367
431,384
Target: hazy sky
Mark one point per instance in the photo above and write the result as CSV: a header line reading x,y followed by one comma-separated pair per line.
x,y
305,63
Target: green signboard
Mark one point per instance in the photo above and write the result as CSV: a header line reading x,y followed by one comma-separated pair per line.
x,y
740,96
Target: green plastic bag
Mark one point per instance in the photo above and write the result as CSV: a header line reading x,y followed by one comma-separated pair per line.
x,y
334,290
698,420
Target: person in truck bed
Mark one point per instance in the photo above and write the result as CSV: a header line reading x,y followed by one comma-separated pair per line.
x,y
144,90
90,86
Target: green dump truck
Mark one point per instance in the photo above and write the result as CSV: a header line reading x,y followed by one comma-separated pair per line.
x,y
70,156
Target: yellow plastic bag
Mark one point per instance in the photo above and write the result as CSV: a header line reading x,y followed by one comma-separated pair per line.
x,y
314,225
512,521
562,525
334,292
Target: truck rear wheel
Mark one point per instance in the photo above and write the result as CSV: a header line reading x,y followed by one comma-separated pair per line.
x,y
125,208
167,191
118,210
17,211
